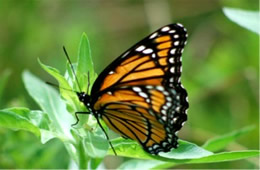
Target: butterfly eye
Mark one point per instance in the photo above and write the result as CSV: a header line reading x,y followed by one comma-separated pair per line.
x,y
82,96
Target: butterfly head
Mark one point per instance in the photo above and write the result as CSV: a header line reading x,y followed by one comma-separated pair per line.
x,y
83,97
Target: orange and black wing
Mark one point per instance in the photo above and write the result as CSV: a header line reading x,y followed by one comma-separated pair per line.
x,y
140,95
156,60
150,115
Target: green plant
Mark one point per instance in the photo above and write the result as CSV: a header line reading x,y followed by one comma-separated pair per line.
x,y
86,143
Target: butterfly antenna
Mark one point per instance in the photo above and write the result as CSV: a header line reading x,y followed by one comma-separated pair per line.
x,y
106,136
68,58
55,85
88,82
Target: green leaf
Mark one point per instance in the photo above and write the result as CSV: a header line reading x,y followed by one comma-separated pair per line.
x,y
227,156
51,103
17,119
244,18
219,157
66,91
94,163
186,150
96,145
47,135
221,142
137,163
85,64
187,153
37,118
83,160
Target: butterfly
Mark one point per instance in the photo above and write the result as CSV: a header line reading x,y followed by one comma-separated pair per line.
x,y
139,95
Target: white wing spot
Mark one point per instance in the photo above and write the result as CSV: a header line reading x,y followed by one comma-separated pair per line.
x,y
149,87
176,43
153,35
111,72
142,94
163,112
172,31
171,60
169,98
165,93
140,48
155,146
172,70
176,36
153,55
137,89
165,107
164,118
125,54
173,51
164,29
109,92
177,109
169,140
148,51
180,24
160,88
164,144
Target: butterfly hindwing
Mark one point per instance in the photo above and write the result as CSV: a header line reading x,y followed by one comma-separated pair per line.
x,y
151,115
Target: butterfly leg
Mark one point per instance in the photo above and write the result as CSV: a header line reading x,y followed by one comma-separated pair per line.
x,y
77,118
106,136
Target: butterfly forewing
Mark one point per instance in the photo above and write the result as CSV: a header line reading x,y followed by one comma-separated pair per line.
x,y
140,95
154,60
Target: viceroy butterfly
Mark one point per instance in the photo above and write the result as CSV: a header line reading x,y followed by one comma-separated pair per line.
x,y
139,95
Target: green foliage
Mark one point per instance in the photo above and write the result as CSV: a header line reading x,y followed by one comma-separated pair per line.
x,y
246,19
82,145
218,143
220,73
19,119
187,153
215,158
86,67
86,144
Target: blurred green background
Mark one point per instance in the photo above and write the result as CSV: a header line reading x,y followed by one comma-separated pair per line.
x,y
220,65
